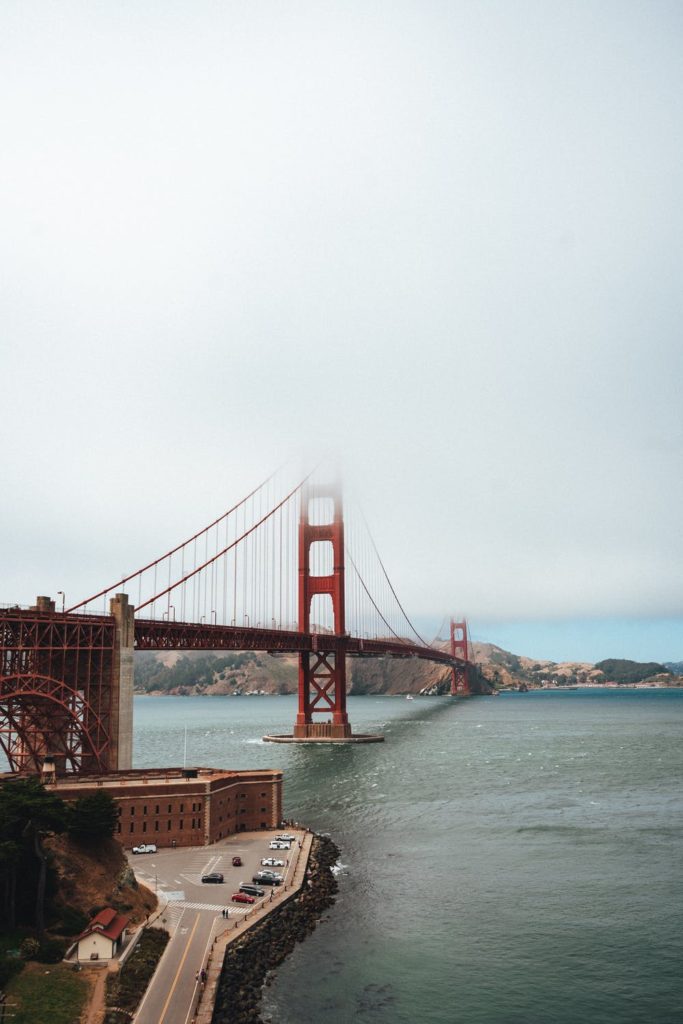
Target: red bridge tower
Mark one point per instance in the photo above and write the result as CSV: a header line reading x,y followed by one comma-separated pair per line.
x,y
322,673
460,683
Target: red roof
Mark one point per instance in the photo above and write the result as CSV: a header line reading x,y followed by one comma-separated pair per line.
x,y
107,923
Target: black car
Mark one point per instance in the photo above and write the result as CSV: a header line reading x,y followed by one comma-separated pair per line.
x,y
267,878
251,890
215,876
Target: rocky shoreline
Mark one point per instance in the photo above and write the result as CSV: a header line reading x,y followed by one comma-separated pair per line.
x,y
249,959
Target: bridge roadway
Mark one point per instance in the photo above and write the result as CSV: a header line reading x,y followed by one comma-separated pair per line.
x,y
155,635
24,629
193,916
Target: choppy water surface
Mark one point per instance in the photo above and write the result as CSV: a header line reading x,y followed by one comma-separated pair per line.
x,y
505,861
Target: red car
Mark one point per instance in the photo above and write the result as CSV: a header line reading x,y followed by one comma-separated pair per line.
x,y
242,897
237,862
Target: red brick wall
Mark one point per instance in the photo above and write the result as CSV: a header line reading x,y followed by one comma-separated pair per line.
x,y
189,812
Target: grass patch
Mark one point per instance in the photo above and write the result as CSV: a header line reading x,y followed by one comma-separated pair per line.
x,y
127,988
56,994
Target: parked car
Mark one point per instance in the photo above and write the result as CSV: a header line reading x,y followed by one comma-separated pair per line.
x,y
214,876
237,862
285,837
252,890
268,878
272,862
242,897
145,848
277,844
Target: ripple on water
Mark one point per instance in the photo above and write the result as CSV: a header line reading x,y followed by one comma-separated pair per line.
x,y
481,893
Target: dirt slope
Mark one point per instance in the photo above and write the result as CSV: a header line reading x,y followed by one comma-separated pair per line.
x,y
97,878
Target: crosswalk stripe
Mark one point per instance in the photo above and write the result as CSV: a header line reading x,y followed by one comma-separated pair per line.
x,y
211,906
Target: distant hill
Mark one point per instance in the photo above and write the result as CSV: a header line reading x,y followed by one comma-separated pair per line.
x,y
247,672
505,669
674,666
618,670
233,672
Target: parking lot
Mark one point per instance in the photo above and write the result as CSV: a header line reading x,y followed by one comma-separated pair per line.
x,y
194,911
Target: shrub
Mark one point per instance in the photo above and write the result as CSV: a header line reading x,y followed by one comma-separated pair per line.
x,y
51,951
29,948
127,988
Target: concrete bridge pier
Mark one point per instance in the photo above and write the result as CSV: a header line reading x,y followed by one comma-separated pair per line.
x,y
122,683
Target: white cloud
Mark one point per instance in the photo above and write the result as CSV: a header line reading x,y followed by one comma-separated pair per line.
x,y
440,239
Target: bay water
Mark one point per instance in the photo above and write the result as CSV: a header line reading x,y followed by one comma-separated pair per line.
x,y
509,860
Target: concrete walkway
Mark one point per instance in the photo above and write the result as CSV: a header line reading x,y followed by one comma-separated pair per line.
x,y
206,996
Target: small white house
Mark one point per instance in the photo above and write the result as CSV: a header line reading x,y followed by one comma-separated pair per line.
x,y
104,936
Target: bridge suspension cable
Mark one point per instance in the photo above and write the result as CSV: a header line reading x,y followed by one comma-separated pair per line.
x,y
238,570
168,554
373,606
243,570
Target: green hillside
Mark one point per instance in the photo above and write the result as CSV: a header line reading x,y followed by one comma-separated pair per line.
x,y
618,670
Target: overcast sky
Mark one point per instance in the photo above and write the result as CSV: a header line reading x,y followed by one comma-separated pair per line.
x,y
441,240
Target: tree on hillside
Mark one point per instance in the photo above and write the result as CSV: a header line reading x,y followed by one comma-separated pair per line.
x,y
28,813
92,818
10,856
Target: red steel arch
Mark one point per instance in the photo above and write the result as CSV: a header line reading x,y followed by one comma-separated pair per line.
x,y
44,717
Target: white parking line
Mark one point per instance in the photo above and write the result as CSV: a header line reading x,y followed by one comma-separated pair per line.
x,y
210,865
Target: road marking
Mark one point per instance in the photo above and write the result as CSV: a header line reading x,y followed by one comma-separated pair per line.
x,y
174,897
209,943
201,906
177,973
210,866
149,986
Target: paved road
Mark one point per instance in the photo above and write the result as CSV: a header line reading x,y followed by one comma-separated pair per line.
x,y
193,914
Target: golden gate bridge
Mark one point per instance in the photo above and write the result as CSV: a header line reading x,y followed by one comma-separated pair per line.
x,y
286,569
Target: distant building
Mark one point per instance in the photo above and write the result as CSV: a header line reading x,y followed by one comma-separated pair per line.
x,y
104,936
184,806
